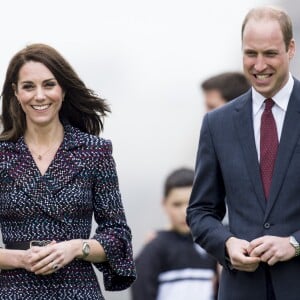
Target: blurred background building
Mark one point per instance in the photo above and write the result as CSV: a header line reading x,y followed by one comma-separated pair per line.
x,y
147,58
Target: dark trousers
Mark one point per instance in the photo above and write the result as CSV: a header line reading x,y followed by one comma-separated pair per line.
x,y
270,289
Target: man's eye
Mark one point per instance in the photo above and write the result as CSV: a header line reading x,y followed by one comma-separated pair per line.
x,y
271,54
250,54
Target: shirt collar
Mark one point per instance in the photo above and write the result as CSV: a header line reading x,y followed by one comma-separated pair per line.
x,y
281,99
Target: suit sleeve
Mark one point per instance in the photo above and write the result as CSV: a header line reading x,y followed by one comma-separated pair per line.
x,y
207,207
112,231
148,269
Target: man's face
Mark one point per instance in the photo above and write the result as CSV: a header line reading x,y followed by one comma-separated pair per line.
x,y
213,99
265,57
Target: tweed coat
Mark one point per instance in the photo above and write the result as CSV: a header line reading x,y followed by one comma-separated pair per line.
x,y
81,182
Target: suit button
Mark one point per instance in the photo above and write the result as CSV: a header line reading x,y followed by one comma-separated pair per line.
x,y
267,225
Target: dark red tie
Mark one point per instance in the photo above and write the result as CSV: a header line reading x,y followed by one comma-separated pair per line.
x,y
268,146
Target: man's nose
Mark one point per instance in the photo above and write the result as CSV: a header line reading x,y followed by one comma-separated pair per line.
x,y
260,64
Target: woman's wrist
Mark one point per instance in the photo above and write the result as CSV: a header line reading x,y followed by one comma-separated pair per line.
x,y
13,259
77,248
89,250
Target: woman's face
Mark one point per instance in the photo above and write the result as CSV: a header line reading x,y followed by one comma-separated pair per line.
x,y
39,94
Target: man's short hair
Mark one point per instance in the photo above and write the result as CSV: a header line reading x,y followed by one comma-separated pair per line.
x,y
229,84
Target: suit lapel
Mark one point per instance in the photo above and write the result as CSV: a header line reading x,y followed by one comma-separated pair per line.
x,y
288,140
244,126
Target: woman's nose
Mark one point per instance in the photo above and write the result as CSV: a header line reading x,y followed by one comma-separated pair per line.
x,y
40,94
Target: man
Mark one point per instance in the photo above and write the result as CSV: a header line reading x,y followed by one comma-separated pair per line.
x,y
239,159
222,88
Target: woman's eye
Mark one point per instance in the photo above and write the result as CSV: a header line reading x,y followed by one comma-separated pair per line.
x,y
27,86
50,84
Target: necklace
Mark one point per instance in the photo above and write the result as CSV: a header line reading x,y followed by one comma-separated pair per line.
x,y
40,156
57,140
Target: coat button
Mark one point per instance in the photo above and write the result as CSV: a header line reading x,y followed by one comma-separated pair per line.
x,y
267,225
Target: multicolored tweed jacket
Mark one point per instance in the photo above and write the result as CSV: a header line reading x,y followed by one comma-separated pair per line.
x,y
81,182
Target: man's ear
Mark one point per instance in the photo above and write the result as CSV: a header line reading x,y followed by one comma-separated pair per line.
x,y
292,49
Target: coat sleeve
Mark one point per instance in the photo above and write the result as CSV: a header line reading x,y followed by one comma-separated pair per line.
x,y
112,231
148,269
207,207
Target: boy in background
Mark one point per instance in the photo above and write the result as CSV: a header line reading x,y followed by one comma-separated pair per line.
x,y
171,266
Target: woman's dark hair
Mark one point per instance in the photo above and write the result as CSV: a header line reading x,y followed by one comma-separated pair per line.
x,y
81,107
179,178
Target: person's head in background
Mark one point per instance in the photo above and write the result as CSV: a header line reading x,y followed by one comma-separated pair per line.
x,y
177,192
222,88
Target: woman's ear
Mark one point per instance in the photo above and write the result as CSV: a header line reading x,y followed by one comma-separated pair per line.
x,y
63,95
15,89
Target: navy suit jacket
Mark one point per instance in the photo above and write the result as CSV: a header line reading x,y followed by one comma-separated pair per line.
x,y
227,167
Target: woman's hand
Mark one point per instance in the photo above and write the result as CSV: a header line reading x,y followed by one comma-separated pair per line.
x,y
48,259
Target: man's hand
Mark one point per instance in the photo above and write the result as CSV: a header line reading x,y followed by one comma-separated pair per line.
x,y
271,249
239,257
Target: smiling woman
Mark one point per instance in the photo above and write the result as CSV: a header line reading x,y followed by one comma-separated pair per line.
x,y
55,174
40,97
38,93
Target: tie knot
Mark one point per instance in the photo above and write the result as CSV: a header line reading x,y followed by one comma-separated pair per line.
x,y
269,104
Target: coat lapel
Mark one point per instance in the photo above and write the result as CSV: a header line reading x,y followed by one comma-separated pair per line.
x,y
289,137
244,126
22,168
65,166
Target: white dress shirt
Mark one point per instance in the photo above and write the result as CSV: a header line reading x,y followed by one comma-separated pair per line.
x,y
281,100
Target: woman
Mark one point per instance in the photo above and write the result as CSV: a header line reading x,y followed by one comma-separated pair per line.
x,y
55,174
